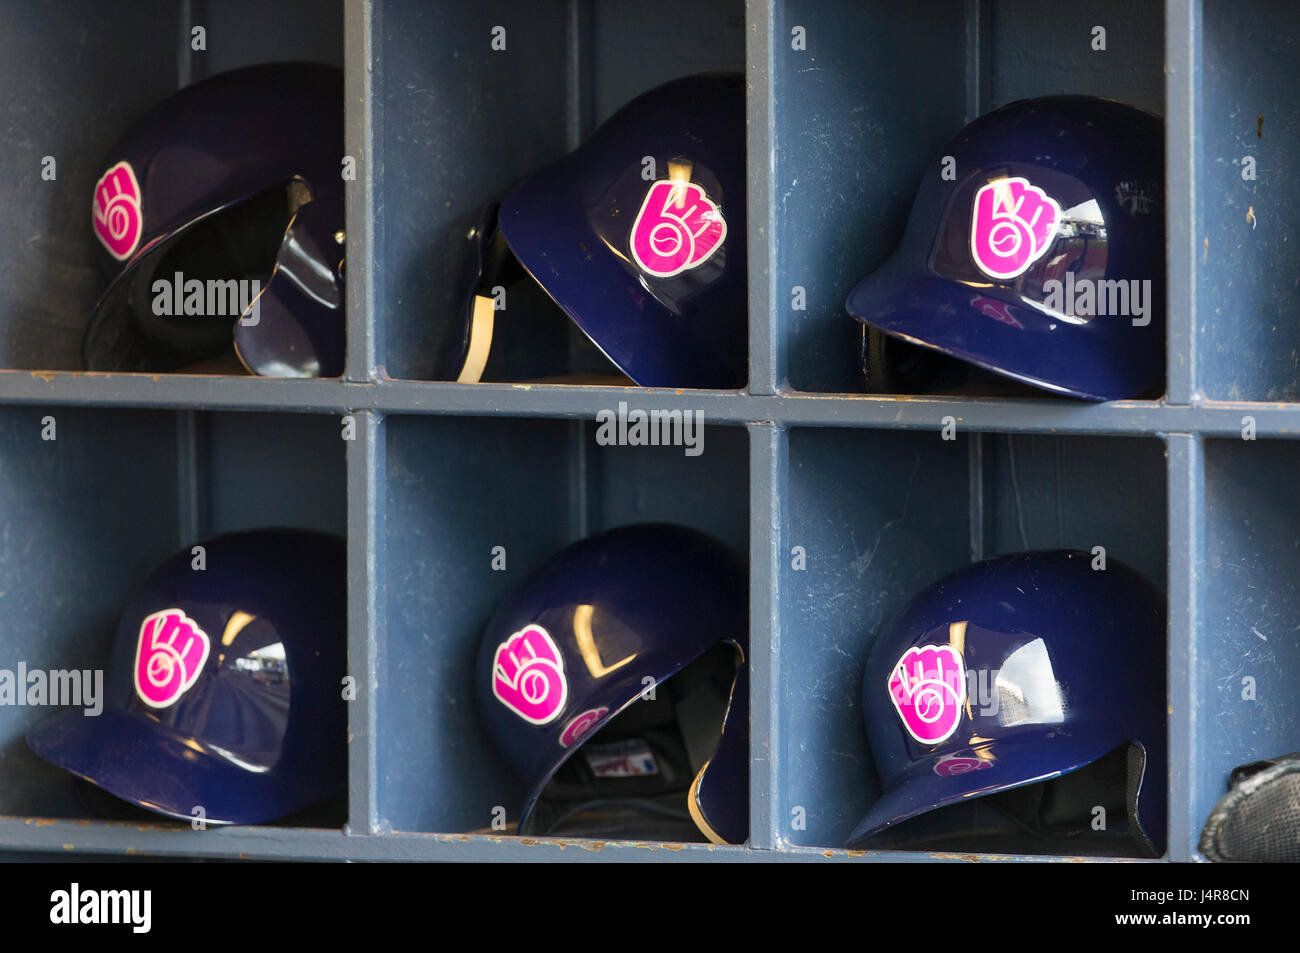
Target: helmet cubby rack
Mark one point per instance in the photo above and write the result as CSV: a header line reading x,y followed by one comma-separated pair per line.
x,y
846,502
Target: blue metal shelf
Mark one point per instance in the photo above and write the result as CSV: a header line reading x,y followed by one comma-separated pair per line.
x,y
837,135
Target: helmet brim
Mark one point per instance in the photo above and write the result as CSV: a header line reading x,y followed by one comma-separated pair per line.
x,y
1014,762
136,760
1021,343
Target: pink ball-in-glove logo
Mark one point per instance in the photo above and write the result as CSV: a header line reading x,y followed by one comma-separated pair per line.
x,y
928,689
117,217
677,228
169,655
581,724
956,764
1011,226
528,676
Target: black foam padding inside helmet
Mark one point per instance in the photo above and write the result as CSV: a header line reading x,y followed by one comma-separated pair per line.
x,y
1087,812
677,730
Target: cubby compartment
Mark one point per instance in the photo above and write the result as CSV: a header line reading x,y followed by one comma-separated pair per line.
x,y
865,97
877,517
1247,649
1247,333
94,500
471,98
77,75
472,507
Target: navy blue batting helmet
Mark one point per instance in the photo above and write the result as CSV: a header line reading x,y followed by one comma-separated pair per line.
x,y
230,194
224,690
614,681
1032,667
1036,250
639,236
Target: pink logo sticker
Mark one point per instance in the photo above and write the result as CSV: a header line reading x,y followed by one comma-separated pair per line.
x,y
997,310
928,689
581,724
956,764
528,676
169,655
117,217
1011,226
677,228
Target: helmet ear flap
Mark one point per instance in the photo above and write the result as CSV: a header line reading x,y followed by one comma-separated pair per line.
x,y
291,328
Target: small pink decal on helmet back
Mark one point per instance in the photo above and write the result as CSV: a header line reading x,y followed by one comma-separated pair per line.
x,y
997,310
928,689
116,214
528,676
169,655
1011,226
581,724
957,764
677,228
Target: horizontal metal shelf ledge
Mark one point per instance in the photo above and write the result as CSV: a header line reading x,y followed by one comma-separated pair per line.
x,y
175,391
70,837
794,409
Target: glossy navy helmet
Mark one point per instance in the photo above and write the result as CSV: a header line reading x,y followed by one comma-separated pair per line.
x,y
1036,250
224,689
639,236
614,682
1013,698
220,215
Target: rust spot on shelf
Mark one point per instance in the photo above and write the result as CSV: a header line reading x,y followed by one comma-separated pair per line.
x,y
828,853
46,376
45,822
68,847
595,846
856,853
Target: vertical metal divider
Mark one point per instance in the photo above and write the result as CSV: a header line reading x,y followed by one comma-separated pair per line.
x,y
978,40
979,462
366,454
1185,451
362,111
367,597
767,350
1186,488
768,478
184,58
191,445
578,121
1183,30
194,477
